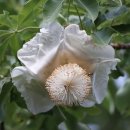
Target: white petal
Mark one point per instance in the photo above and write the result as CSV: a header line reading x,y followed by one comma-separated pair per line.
x,y
100,78
62,126
82,45
36,98
40,50
85,52
87,103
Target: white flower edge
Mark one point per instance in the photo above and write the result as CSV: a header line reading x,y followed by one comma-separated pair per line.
x,y
36,98
82,44
101,77
41,48
53,42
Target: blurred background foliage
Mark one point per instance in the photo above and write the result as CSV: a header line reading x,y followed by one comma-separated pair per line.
x,y
107,21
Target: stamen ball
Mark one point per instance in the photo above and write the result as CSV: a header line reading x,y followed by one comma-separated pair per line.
x,y
69,84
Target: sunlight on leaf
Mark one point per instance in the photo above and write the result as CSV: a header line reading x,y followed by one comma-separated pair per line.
x,y
51,9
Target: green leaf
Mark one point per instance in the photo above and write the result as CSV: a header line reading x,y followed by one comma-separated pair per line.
x,y
27,33
91,7
54,118
51,9
122,28
3,48
5,90
72,124
78,112
3,81
4,45
114,16
4,97
4,33
5,20
28,12
116,12
16,97
103,36
14,43
117,73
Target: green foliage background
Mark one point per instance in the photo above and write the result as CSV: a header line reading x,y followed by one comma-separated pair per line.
x,y
107,21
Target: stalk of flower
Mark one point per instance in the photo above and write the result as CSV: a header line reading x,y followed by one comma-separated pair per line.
x,y
63,66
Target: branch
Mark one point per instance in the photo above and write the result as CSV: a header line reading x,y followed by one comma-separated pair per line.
x,y
120,46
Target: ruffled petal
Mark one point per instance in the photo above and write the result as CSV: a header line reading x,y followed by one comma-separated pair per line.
x,y
101,77
40,50
99,60
36,98
82,46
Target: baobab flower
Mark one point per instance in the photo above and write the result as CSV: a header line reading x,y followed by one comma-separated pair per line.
x,y
63,67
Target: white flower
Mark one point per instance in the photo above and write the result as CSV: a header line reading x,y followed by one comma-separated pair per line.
x,y
62,67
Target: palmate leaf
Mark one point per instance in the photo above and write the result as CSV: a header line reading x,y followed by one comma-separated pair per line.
x,y
103,36
4,45
91,7
30,15
7,20
51,9
116,12
4,33
115,16
27,10
14,43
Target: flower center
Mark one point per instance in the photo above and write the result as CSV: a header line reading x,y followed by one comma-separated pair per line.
x,y
69,84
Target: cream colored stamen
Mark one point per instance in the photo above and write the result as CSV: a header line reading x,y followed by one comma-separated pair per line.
x,y
69,84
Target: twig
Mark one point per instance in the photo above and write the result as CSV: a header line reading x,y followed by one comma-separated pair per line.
x,y
81,24
120,46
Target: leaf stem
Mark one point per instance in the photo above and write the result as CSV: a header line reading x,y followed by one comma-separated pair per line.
x,y
120,46
68,10
120,2
27,28
6,34
81,24
62,114
12,32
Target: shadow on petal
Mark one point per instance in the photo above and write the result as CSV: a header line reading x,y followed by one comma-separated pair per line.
x,y
36,98
101,77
